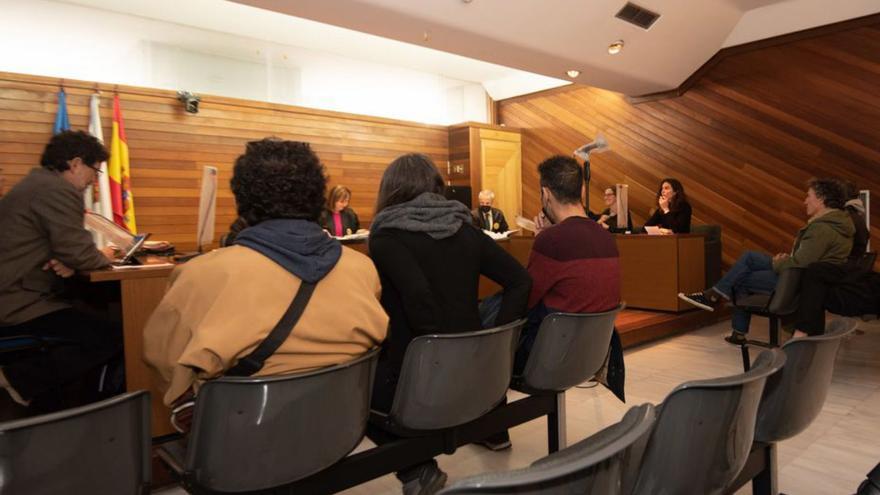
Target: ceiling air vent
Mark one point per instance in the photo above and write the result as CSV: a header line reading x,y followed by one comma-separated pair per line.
x,y
639,16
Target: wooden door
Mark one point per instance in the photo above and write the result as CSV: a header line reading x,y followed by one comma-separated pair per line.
x,y
501,170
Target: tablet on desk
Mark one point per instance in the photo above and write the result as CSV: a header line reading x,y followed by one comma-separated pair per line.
x,y
136,243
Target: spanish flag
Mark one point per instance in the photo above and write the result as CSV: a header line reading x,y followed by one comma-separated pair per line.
x,y
120,173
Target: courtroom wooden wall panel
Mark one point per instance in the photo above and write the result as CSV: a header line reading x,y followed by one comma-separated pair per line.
x,y
743,140
169,147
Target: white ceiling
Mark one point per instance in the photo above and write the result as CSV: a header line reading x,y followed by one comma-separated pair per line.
x,y
510,46
550,37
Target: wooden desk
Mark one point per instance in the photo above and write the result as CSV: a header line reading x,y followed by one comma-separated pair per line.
x,y
519,246
141,289
655,268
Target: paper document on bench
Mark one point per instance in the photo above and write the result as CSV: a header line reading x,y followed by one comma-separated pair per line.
x,y
526,223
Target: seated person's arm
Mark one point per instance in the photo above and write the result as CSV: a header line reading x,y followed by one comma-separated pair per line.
x,y
543,272
357,221
681,220
61,216
656,218
814,244
326,221
396,264
502,222
505,270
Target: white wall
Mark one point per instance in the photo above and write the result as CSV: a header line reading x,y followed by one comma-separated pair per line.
x,y
796,15
69,41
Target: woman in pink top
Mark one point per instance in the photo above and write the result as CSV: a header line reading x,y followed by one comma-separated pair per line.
x,y
338,218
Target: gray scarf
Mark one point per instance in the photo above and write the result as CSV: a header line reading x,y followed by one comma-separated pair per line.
x,y
429,213
856,204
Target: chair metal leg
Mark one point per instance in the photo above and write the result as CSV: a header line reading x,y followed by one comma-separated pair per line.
x,y
774,331
766,482
561,429
747,360
556,432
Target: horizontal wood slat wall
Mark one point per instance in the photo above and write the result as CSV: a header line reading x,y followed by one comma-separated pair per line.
x,y
168,147
743,140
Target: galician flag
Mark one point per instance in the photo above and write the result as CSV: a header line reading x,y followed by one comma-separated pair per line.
x,y
120,173
100,196
62,123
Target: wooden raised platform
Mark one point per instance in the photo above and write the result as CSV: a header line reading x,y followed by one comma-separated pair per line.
x,y
638,327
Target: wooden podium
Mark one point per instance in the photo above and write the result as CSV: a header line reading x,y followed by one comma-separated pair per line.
x,y
141,289
655,268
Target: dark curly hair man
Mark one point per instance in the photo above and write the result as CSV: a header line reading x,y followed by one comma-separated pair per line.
x,y
66,146
221,305
278,179
43,242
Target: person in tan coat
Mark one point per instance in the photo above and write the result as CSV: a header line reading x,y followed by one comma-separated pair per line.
x,y
220,306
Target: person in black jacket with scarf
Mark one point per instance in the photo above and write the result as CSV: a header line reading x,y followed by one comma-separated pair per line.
x,y
673,214
430,257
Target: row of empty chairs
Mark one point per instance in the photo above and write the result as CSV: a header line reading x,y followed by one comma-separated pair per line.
x,y
258,433
699,440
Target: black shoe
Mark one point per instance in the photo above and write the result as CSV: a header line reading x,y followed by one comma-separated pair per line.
x,y
430,480
736,338
496,442
698,299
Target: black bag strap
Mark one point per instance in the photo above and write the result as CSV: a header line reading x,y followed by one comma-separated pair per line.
x,y
254,361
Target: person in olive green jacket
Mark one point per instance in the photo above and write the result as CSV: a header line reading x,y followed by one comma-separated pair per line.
x,y
827,237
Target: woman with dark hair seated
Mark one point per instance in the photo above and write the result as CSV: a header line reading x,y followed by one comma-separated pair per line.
x,y
673,213
430,257
338,218
222,305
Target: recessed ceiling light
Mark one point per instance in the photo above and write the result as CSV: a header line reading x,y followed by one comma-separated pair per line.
x,y
573,73
616,47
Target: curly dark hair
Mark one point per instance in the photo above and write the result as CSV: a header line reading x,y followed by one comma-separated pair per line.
x,y
680,197
67,145
278,179
564,177
829,191
407,177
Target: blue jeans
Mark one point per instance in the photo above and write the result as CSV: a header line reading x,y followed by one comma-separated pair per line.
x,y
751,274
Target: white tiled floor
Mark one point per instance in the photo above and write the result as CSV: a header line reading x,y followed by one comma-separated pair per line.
x,y
831,457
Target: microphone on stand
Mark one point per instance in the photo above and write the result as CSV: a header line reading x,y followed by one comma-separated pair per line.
x,y
598,145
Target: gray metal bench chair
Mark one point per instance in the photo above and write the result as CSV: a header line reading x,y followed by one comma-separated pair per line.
x,y
703,433
569,349
99,449
260,433
792,399
783,301
594,465
448,380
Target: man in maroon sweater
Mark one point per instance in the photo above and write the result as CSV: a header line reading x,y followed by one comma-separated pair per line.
x,y
573,264
574,261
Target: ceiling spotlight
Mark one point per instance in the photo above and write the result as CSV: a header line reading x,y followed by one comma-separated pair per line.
x,y
616,47
573,73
